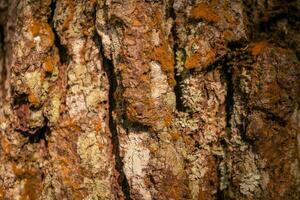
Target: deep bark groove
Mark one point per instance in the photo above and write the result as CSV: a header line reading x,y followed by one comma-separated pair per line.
x,y
109,69
62,49
178,77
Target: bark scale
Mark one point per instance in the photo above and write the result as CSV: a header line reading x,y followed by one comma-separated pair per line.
x,y
140,99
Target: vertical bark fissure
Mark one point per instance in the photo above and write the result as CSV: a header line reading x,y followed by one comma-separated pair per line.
x,y
229,103
62,50
112,79
178,77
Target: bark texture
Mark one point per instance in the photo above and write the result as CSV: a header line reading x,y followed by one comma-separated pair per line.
x,y
149,99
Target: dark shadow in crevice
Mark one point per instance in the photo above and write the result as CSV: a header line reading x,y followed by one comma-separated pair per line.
x,y
62,49
20,99
229,100
109,69
177,76
38,135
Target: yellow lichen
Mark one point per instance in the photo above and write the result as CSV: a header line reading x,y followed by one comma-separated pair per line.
x,y
33,80
89,151
53,111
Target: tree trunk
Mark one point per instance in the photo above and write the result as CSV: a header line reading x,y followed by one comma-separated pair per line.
x,y
149,99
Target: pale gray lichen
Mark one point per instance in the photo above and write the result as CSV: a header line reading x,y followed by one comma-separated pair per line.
x,y
249,183
98,189
192,96
76,104
136,160
183,121
224,175
93,98
88,150
53,108
245,81
36,119
159,83
180,60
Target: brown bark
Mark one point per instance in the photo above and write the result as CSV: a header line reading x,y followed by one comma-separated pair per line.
x,y
140,99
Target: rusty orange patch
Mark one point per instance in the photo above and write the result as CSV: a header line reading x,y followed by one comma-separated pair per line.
x,y
166,60
204,11
197,60
48,64
32,98
43,30
257,47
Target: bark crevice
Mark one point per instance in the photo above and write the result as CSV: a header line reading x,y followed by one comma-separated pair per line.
x,y
38,135
229,101
177,75
62,49
112,79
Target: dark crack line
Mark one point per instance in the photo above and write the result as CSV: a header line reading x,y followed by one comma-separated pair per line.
x,y
62,49
109,69
226,72
178,77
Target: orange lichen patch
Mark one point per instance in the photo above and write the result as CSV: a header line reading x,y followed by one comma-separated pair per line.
x,y
175,135
198,60
97,125
43,30
35,28
204,11
258,47
5,145
32,98
136,22
165,58
49,64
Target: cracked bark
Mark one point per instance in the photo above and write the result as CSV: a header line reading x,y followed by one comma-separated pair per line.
x,y
149,100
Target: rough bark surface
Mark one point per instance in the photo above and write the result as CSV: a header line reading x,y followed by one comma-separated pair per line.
x,y
149,99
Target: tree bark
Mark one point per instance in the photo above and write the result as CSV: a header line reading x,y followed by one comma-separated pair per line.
x,y
149,99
